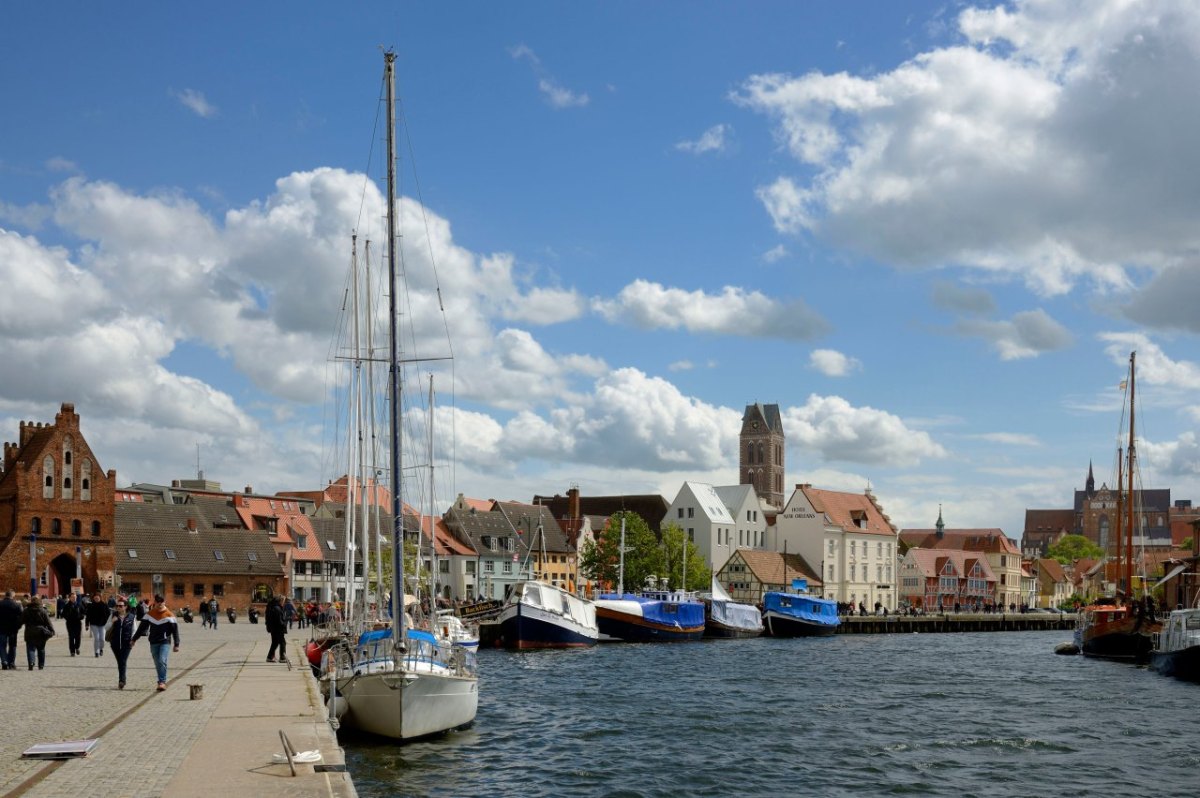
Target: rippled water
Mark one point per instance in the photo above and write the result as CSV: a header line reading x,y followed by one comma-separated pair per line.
x,y
950,714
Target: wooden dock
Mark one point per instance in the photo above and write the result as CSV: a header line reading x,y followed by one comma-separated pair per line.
x,y
956,622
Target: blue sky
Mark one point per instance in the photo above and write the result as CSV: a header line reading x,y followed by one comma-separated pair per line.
x,y
930,232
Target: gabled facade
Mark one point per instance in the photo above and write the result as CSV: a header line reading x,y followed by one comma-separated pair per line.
x,y
1052,585
499,549
552,557
749,573
844,537
946,580
1002,554
748,513
56,502
705,521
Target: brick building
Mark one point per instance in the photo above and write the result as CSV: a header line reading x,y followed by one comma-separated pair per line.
x,y
54,495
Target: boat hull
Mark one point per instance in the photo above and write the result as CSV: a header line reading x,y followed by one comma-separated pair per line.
x,y
1182,664
781,625
725,631
625,621
408,705
1108,632
523,628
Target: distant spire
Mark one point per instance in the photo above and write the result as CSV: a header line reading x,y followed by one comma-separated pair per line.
x,y
941,525
1091,481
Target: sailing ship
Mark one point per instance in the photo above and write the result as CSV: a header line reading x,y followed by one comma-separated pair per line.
x,y
724,617
1121,628
409,684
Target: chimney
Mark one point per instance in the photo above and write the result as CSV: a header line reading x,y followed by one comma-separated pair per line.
x,y
191,525
248,490
573,503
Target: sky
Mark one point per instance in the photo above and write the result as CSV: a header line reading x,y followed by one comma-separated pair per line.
x,y
931,232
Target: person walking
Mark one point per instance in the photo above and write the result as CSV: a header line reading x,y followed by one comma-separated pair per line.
x,y
97,616
160,625
203,613
289,614
36,622
120,639
277,628
10,624
73,615
214,609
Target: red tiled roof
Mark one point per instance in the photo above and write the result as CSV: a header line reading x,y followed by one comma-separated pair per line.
x,y
774,568
1052,568
989,540
846,510
931,561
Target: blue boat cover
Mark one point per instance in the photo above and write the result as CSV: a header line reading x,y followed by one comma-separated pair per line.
x,y
802,607
418,634
377,635
682,613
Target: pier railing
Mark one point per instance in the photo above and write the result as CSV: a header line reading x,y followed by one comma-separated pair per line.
x,y
956,622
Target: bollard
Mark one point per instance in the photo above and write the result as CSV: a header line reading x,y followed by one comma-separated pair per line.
x,y
196,691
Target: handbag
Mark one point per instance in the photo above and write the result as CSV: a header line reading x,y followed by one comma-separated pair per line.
x,y
46,632
111,635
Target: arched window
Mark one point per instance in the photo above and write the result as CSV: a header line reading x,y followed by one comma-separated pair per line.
x,y
760,453
35,525
48,478
750,452
95,529
66,481
1103,532
56,526
76,528
85,479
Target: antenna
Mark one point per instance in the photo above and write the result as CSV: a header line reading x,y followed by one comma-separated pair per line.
x,y
199,473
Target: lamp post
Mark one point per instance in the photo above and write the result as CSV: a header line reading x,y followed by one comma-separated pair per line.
x,y
33,578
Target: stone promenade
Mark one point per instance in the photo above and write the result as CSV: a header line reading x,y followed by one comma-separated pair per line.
x,y
166,744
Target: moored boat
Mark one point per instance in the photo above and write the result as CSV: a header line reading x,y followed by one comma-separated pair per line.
x,y
799,615
657,616
542,615
726,618
1176,649
1108,630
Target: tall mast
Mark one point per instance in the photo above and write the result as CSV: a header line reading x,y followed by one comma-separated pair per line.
x,y
389,61
1129,477
434,573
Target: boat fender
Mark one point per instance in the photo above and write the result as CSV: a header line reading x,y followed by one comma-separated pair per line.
x,y
327,663
1066,649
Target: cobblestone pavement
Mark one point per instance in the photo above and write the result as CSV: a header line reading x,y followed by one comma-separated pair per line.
x,y
144,735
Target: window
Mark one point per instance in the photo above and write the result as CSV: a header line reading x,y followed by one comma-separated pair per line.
x,y
130,588
220,555
85,479
302,541
831,545
133,554
300,567
252,556
95,529
489,567
170,553
852,545
218,589
35,525
470,566
691,512
691,535
443,566
681,512
177,589
76,528
507,567
879,550
48,479
329,544
197,590
56,526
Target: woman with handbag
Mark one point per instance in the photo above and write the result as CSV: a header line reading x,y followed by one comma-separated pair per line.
x,y
37,631
120,638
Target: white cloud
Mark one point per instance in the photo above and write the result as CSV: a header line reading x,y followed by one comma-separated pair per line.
x,y
60,164
775,254
1010,439
735,311
1027,334
832,363
681,365
557,95
711,140
963,299
29,217
842,432
1035,149
1154,367
195,102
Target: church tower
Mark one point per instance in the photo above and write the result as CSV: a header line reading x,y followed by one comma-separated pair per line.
x,y
1090,486
761,452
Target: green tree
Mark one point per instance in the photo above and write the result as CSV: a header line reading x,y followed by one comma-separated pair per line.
x,y
1074,547
699,577
600,561
1186,544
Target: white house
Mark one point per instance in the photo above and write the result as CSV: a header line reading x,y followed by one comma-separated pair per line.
x,y
846,538
705,520
746,509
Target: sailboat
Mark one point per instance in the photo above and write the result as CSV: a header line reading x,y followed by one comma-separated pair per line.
x,y
1110,628
411,685
1176,650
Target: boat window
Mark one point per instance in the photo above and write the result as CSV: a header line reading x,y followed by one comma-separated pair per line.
x,y
566,605
533,595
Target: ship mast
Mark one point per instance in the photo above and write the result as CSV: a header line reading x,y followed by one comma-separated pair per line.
x,y
1129,477
389,60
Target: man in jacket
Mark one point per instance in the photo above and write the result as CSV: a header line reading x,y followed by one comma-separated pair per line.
x,y
214,609
10,624
72,614
277,629
160,625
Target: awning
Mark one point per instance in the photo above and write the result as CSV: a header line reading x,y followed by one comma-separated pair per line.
x,y
1176,571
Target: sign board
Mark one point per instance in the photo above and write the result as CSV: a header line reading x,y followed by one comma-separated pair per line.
x,y
799,585
480,609
76,585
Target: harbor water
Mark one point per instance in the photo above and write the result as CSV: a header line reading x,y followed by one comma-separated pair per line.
x,y
852,715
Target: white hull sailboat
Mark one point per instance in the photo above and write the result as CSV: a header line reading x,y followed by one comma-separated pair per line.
x,y
416,687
